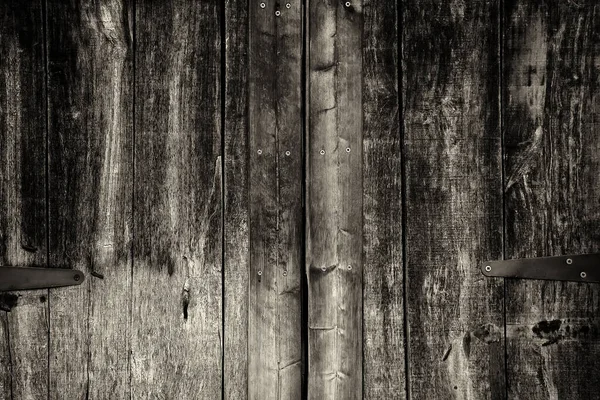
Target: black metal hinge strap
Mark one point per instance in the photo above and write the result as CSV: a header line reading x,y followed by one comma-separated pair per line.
x,y
576,268
26,278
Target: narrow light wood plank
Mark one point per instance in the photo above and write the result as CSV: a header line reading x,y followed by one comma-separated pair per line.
x,y
177,292
334,200
90,117
383,321
23,315
453,199
236,266
276,218
552,108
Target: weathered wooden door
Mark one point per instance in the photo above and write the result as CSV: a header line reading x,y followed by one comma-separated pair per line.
x,y
293,199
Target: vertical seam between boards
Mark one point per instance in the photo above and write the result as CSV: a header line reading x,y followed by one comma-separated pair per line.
x,y
403,190
500,37
223,94
46,98
133,152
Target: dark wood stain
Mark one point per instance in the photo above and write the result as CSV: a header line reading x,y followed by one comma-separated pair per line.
x,y
177,210
90,140
383,314
453,197
23,330
550,94
146,143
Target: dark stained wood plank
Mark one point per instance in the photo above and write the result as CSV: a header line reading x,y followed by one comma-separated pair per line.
x,y
23,317
334,200
90,116
552,108
177,290
383,321
236,266
453,199
276,217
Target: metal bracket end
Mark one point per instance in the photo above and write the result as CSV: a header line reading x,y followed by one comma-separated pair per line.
x,y
573,268
29,278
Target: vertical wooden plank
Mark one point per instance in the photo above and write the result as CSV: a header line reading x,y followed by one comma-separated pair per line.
x,y
334,200
236,266
90,174
552,108
177,291
453,198
276,238
23,315
383,321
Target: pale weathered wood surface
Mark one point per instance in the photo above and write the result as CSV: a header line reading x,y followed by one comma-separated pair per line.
x,y
334,200
177,293
383,321
552,186
235,201
90,137
275,193
23,315
453,199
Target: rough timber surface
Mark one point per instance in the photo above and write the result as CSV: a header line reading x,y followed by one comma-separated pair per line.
x,y
23,316
453,199
551,111
334,206
275,193
176,349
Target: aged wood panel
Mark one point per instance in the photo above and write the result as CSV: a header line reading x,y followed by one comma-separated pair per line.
x,y
383,321
236,266
23,315
177,290
334,200
276,217
453,199
551,102
90,136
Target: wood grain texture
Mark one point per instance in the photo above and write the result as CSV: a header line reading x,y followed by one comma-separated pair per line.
x,y
90,114
23,317
177,303
276,217
383,321
453,199
236,266
551,102
334,200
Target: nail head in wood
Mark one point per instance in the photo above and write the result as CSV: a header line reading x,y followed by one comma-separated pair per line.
x,y
262,5
583,274
288,5
259,273
488,268
569,261
287,153
348,4
322,152
277,13
259,152
284,273
347,149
